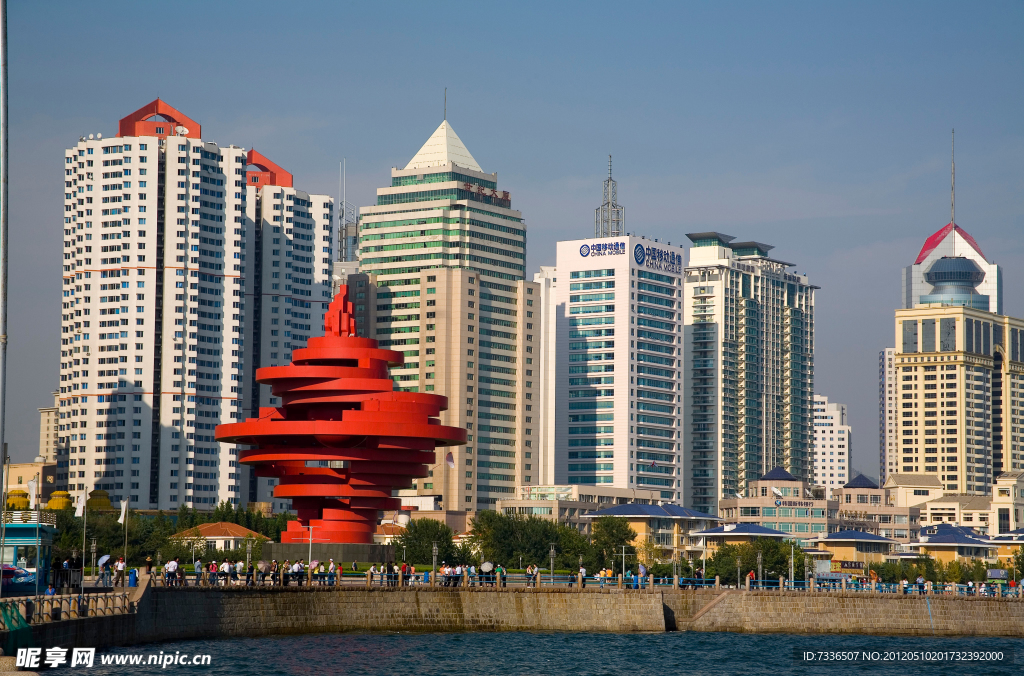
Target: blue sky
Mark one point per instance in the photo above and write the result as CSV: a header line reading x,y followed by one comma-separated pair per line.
x,y
821,128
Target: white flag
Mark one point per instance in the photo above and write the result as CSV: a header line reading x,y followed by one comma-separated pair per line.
x,y
32,494
124,511
80,508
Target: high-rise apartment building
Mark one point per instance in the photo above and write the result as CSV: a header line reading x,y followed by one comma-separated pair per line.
x,y
952,241
613,376
164,318
151,356
833,443
888,415
49,430
288,288
447,253
961,386
749,351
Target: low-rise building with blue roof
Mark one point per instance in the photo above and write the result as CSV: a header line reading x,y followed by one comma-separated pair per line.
x,y
666,525
945,542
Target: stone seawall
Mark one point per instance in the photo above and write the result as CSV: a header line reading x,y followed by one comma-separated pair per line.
x,y
849,613
190,613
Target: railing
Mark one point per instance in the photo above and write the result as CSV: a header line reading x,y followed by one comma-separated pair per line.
x,y
544,580
43,609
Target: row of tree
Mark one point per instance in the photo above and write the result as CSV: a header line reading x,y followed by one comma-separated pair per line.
x,y
516,541
149,536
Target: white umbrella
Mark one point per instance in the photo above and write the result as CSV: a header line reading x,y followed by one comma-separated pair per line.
x,y
487,566
103,559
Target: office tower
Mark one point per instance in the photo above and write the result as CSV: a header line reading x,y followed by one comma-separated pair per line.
x,y
447,253
49,423
617,369
888,415
154,236
749,342
833,443
547,281
952,241
961,372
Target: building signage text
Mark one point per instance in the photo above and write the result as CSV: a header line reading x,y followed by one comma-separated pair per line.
x,y
603,249
658,259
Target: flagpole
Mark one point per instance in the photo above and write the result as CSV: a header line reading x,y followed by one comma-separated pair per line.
x,y
3,514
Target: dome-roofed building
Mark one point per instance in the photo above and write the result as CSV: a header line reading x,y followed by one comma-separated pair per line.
x,y
951,242
955,281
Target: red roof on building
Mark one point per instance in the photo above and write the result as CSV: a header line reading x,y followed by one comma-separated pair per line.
x,y
140,124
221,529
936,239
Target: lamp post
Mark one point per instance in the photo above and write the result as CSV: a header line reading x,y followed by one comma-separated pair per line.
x,y
248,553
552,563
737,572
92,548
792,560
760,571
433,570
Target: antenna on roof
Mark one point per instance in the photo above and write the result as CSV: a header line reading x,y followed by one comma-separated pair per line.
x,y
952,188
445,103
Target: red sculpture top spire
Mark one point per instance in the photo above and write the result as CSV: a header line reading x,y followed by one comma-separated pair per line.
x,y
339,404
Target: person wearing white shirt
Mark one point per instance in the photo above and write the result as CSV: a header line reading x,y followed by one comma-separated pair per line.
x,y
225,571
170,572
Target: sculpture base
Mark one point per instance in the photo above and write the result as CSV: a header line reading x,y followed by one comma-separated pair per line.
x,y
340,552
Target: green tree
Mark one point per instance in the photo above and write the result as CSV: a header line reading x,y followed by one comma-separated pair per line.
x,y
1017,562
419,538
609,534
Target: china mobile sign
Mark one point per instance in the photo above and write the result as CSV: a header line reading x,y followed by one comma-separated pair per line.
x,y
657,259
603,249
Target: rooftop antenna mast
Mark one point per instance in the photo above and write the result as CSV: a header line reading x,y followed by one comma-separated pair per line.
x,y
445,103
610,217
346,218
952,188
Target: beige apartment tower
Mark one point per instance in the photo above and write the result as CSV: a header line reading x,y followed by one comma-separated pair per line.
x,y
446,253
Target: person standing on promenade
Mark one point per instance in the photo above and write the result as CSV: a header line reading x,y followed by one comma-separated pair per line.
x,y
249,575
170,572
198,568
583,576
120,571
331,571
355,566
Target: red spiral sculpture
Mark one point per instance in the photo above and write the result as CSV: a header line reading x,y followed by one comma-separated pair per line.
x,y
338,404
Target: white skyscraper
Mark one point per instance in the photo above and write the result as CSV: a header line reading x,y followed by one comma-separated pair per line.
x,y
289,288
161,310
617,372
833,443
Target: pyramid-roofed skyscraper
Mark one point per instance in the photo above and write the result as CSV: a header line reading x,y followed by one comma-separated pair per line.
x,y
445,254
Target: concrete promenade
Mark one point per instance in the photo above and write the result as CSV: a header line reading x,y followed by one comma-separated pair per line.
x,y
167,614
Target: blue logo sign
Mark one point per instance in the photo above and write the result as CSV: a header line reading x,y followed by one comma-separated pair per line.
x,y
639,254
584,250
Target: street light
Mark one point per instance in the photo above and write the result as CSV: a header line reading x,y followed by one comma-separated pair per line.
x,y
434,568
760,571
737,572
552,563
